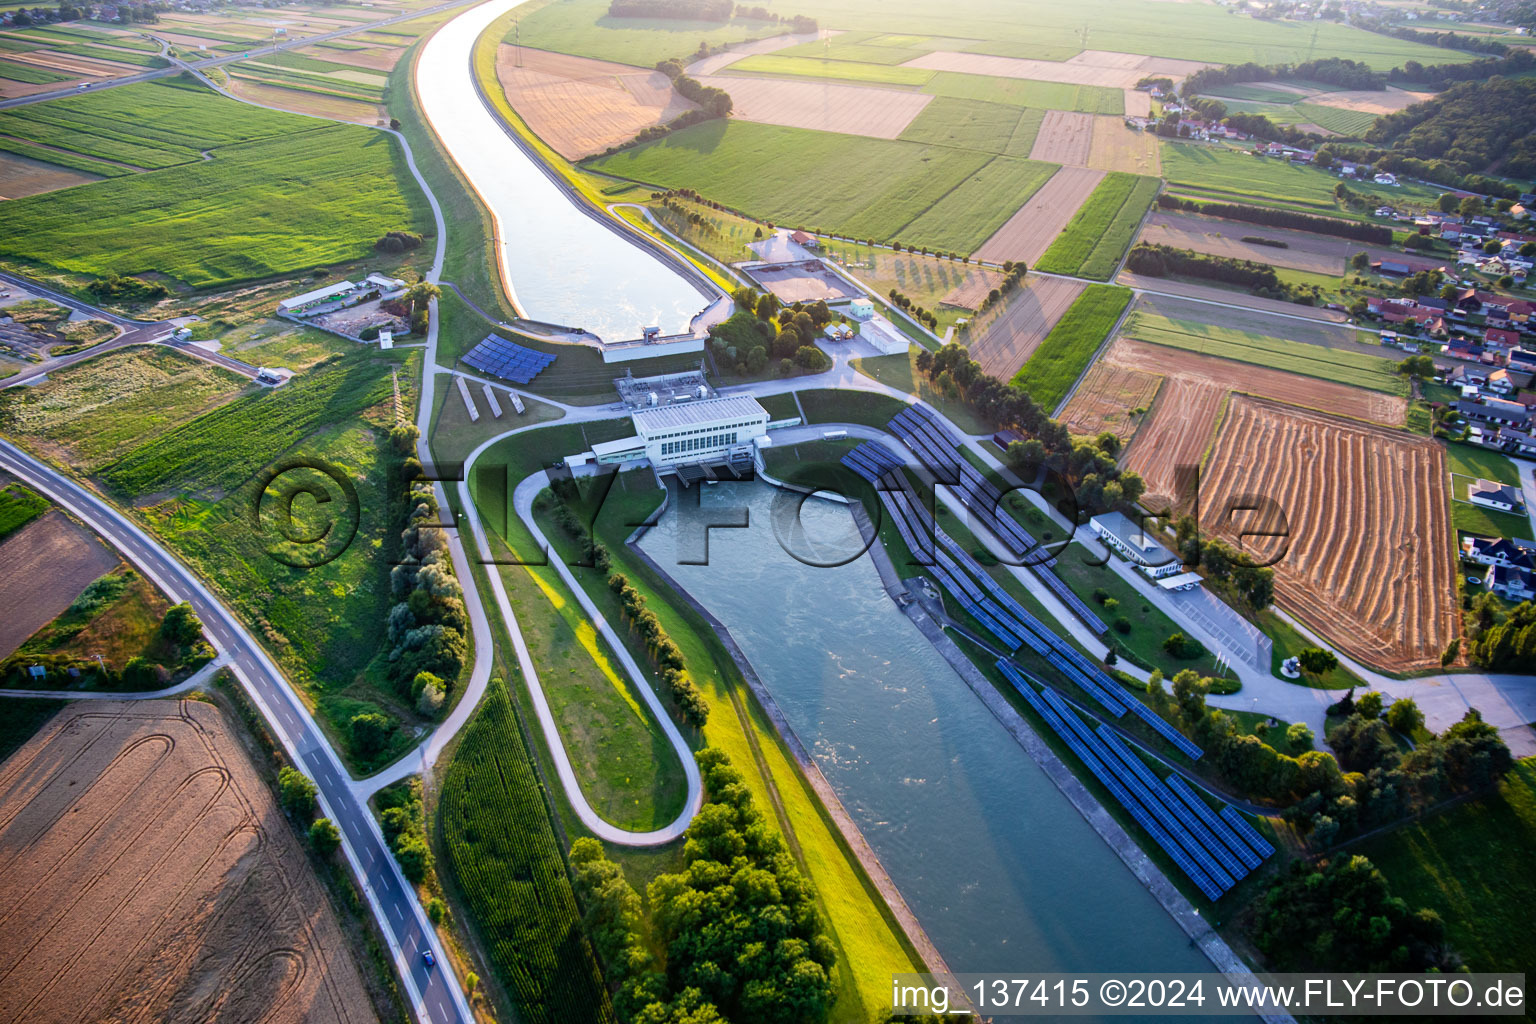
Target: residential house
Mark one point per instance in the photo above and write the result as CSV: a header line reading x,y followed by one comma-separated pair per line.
x,y
1496,551
1522,367
1518,442
1499,382
1496,411
1513,584
1501,340
1489,494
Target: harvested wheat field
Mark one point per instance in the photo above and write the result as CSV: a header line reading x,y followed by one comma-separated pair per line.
x,y
43,568
1004,337
1386,101
1369,560
1091,67
822,106
969,293
146,874
23,176
1194,389
1119,147
1302,250
1035,225
581,106
1065,137
302,101
1106,398
1138,103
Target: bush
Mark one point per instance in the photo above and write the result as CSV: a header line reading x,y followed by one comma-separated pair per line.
x,y
1185,648
371,732
181,626
296,792
324,836
1122,625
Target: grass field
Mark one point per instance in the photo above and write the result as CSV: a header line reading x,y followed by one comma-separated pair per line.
x,y
976,125
73,161
29,73
1360,369
1234,175
1068,349
1023,92
1337,119
841,70
116,618
1472,865
281,193
19,505
826,405
1479,463
1096,238
970,213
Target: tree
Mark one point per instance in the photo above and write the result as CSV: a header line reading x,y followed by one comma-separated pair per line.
x,y
421,294
1360,261
1299,736
1189,692
1422,367
1317,662
1506,282
324,836
141,674
181,625
414,857
1368,705
370,732
1493,247
1404,716
1471,206
429,693
1449,202
295,791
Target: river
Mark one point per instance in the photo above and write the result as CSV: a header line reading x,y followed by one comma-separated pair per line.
x,y
1002,871
558,264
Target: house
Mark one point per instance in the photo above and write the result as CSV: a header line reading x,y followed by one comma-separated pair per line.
x,y
861,308
1498,381
1130,538
1467,301
1513,584
1450,232
1385,211
1518,442
1501,340
1393,267
1496,411
1492,495
801,238
1496,551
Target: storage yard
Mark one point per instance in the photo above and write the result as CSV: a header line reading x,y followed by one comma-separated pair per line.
x,y
1370,562
147,874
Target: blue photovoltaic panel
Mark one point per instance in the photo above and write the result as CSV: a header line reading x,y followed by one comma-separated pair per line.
x,y
507,359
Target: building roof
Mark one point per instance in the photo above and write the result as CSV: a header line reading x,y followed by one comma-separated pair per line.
x,y
679,415
1491,491
1133,536
340,288
623,444
1183,579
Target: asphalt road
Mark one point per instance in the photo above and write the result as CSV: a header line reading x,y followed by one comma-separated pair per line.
x,y
432,991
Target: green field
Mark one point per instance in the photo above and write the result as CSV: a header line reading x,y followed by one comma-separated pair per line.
x,y
1336,119
1094,241
862,187
975,124
281,193
1347,366
19,505
819,67
499,847
1068,349
29,73
115,619
1021,92
869,47
1235,175
583,27
1479,463
1472,865
969,214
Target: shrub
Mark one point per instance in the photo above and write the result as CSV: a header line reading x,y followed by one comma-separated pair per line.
x,y
1185,648
295,791
181,626
371,732
324,836
1122,625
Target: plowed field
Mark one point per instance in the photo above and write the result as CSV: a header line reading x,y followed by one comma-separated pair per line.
x,y
1064,138
1194,389
146,875
1005,336
1035,225
1105,397
1368,561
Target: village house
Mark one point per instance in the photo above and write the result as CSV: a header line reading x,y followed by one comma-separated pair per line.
x,y
1513,584
1496,551
1497,496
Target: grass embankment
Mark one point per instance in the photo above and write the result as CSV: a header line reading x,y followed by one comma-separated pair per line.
x,y
1347,366
830,405
19,505
1093,242
1069,347
1472,865
116,618
280,193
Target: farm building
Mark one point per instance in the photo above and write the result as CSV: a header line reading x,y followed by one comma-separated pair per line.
x,y
801,238
1498,496
1131,540
309,300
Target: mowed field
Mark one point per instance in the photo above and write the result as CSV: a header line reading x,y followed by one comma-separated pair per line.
x,y
1004,337
1195,387
1107,399
43,568
823,106
1118,147
1317,254
581,106
147,874
24,176
1090,67
1065,137
1035,225
1368,561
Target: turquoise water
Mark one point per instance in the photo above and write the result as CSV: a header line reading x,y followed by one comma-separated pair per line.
x,y
1001,870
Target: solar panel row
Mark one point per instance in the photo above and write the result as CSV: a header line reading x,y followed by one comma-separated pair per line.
x,y
507,359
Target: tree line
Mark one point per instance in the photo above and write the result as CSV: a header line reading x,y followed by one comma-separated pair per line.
x,y
1339,71
739,933
1439,76
1226,568
674,10
1375,234
1502,642
1157,260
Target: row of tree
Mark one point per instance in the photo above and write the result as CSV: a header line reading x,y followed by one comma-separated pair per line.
x,y
1089,466
711,98
673,10
738,928
663,650
1339,71
1503,642
1438,76
1375,234
1158,260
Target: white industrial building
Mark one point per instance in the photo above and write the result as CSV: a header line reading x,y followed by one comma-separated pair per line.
x,y
681,432
1130,539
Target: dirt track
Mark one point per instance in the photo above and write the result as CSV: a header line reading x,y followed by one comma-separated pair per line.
x,y
1035,225
1368,561
581,106
1064,138
43,568
1005,336
1194,389
146,875
822,106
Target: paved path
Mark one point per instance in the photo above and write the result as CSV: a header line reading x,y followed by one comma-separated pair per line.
x,y
199,678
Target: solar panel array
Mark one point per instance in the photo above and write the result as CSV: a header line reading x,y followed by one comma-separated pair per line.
x,y
988,603
931,441
507,359
1215,851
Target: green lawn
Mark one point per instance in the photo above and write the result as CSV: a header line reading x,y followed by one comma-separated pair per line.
x,y
1480,463
1358,368
900,371
1472,864
19,505
1067,350
827,405
1024,92
1288,643
976,124
1235,175
839,183
843,70
1093,242
1484,522
281,193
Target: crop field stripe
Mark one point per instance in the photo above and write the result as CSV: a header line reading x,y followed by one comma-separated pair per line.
x,y
1022,92
30,74
1096,238
73,161
842,70
1069,348
143,60
968,214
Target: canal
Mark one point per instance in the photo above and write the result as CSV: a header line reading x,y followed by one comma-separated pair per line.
x,y
1002,871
